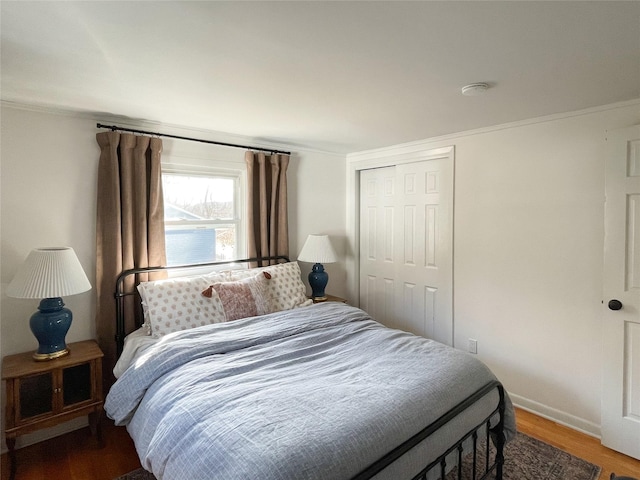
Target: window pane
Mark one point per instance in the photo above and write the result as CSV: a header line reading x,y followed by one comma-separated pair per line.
x,y
200,218
190,245
197,197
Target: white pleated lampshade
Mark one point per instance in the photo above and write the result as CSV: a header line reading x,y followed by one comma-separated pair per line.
x,y
318,249
49,273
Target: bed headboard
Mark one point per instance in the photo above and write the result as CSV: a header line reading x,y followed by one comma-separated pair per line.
x,y
121,292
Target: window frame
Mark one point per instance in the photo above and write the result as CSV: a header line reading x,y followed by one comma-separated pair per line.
x,y
240,210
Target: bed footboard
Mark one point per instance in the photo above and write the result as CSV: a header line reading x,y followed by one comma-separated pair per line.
x,y
481,468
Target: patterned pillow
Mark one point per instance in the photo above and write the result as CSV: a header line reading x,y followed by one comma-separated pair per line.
x,y
285,287
177,304
248,297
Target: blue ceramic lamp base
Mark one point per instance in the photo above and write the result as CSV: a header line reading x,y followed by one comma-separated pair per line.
x,y
50,325
318,280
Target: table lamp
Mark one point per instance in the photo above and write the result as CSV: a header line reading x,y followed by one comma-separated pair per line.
x,y
318,250
50,273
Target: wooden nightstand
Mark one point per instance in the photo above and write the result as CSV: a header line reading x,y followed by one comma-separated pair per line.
x,y
331,298
44,394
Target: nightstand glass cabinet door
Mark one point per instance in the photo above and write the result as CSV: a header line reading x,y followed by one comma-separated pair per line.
x,y
54,391
76,384
36,395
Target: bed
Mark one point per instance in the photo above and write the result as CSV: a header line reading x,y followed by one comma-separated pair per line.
x,y
235,374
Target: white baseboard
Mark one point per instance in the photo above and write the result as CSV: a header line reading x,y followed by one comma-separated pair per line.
x,y
558,416
47,433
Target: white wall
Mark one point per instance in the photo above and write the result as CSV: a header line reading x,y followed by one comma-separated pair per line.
x,y
317,198
528,253
48,176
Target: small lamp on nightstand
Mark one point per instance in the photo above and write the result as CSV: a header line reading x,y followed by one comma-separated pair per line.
x,y
318,250
50,273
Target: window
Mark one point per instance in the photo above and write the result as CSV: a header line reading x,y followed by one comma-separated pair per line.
x,y
202,217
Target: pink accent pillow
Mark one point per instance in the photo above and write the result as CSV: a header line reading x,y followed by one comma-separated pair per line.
x,y
286,289
248,297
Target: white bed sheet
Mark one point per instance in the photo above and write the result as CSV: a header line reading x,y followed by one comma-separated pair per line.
x,y
134,345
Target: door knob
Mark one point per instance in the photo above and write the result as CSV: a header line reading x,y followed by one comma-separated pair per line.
x,y
615,304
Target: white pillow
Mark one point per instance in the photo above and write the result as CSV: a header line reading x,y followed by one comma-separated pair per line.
x,y
178,304
285,287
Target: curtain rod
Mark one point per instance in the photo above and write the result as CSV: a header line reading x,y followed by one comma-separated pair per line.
x,y
234,145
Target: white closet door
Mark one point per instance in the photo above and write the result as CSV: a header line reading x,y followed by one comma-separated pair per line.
x,y
406,239
377,244
621,329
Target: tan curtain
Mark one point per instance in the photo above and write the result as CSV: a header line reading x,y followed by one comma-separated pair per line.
x,y
268,225
129,226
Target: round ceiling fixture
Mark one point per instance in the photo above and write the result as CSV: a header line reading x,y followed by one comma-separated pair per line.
x,y
474,89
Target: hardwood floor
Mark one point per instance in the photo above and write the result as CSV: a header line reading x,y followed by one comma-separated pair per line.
x,y
77,455
578,444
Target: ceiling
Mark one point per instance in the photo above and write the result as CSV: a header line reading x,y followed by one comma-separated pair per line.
x,y
335,76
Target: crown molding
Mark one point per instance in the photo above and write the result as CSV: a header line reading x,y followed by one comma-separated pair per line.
x,y
173,129
428,142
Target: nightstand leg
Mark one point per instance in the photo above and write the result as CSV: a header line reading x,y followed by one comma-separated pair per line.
x,y
95,425
11,445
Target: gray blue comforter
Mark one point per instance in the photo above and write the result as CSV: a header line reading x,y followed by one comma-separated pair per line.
x,y
319,392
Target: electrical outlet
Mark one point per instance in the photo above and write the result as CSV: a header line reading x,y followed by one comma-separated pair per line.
x,y
473,345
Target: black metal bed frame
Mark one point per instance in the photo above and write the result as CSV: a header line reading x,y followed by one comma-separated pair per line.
x,y
120,293
480,470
